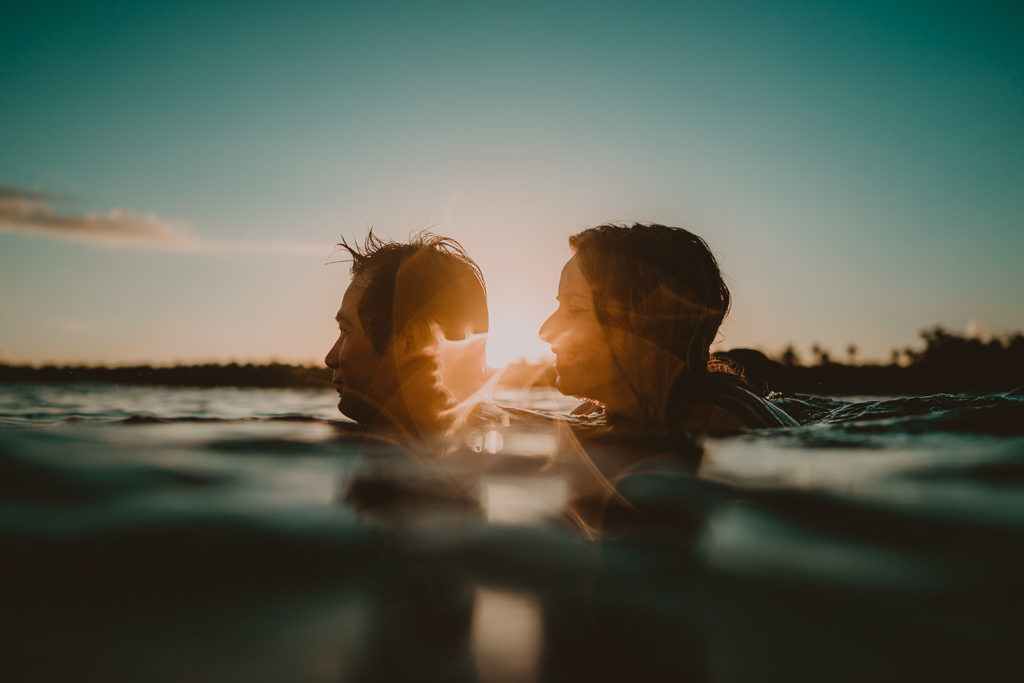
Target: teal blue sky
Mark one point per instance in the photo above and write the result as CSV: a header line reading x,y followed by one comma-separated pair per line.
x,y
857,167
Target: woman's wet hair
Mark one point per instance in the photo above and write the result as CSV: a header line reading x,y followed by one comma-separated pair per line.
x,y
660,297
411,285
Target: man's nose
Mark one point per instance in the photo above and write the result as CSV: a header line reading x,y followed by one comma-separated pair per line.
x,y
331,359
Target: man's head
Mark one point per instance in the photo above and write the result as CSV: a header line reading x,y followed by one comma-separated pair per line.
x,y
403,298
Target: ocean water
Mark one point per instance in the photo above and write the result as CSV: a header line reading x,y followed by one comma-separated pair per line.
x,y
161,534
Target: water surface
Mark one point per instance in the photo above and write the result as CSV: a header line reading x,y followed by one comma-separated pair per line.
x,y
203,534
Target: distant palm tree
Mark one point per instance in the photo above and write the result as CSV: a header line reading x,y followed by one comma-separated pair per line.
x,y
789,357
821,353
851,354
912,355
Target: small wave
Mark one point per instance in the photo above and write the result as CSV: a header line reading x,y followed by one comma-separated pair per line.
x,y
1000,420
149,418
997,414
808,409
273,446
1017,393
915,405
1001,473
46,480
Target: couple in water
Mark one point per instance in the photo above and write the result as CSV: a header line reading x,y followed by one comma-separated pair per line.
x,y
638,309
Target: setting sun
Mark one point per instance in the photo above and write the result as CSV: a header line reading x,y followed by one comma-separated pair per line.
x,y
514,337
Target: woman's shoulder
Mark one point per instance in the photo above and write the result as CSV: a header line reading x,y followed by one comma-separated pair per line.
x,y
726,406
713,419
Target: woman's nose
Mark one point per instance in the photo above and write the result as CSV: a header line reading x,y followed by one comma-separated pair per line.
x,y
545,332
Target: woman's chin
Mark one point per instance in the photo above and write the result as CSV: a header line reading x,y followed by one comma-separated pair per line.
x,y
568,386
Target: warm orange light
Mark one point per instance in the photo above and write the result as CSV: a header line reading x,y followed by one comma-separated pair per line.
x,y
514,337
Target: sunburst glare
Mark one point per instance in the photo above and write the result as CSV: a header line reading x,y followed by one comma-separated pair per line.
x,y
514,337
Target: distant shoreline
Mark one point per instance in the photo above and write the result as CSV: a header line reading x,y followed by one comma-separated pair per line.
x,y
948,363
762,373
269,375
206,375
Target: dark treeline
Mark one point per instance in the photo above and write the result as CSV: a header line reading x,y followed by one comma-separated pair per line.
x,y
947,362
209,375
521,374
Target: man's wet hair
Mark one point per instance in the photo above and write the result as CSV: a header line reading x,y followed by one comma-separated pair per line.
x,y
429,280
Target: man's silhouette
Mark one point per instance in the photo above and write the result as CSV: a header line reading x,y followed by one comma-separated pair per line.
x,y
411,334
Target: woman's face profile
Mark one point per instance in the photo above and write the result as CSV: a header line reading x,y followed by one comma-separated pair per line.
x,y
583,359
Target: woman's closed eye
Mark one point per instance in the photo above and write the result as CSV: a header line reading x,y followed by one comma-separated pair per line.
x,y
579,304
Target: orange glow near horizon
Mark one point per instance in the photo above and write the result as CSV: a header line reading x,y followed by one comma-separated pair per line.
x,y
514,337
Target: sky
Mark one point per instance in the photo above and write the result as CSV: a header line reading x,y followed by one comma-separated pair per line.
x,y
174,176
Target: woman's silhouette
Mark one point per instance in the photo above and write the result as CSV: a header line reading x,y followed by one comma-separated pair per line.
x,y
639,307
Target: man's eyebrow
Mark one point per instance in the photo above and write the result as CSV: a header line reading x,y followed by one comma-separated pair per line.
x,y
342,319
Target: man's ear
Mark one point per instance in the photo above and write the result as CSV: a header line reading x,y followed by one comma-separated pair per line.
x,y
402,345
413,339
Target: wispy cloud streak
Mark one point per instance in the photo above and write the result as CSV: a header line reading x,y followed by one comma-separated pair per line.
x,y
32,213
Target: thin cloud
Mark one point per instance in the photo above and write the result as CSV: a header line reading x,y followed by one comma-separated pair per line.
x,y
30,212
7,191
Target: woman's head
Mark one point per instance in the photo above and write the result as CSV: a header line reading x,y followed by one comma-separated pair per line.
x,y
638,306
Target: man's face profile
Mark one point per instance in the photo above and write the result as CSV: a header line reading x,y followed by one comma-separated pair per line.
x,y
356,364
426,307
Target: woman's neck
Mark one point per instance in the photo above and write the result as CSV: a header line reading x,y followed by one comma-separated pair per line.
x,y
623,405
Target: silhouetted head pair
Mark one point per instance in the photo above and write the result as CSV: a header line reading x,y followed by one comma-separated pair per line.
x,y
638,309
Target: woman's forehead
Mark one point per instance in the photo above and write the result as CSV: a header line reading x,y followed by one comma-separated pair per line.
x,y
572,280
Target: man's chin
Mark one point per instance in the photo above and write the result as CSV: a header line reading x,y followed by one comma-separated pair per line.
x,y
357,409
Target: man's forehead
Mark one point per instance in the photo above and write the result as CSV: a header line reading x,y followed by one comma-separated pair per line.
x,y
350,301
